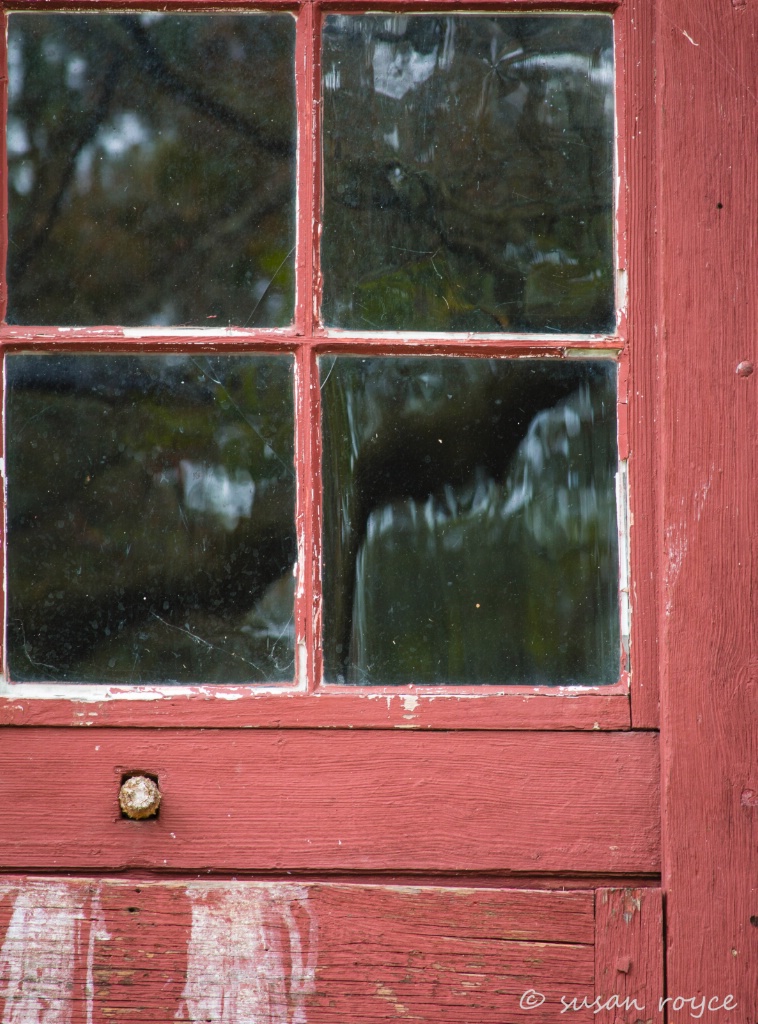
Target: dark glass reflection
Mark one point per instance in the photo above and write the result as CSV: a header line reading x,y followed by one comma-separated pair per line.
x,y
151,531
470,521
468,168
151,169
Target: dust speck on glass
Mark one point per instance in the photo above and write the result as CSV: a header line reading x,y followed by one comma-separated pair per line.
x,y
469,504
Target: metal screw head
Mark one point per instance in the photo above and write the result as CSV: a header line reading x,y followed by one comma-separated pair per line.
x,y
139,797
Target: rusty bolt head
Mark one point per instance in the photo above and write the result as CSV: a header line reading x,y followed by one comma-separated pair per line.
x,y
139,797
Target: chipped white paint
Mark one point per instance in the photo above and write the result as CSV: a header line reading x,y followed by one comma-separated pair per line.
x,y
184,333
701,496
385,992
410,702
689,38
252,954
302,664
38,955
90,694
676,540
486,693
430,337
676,550
97,932
42,944
611,354
622,516
622,288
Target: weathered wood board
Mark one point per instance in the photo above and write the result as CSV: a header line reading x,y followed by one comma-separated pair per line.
x,y
315,800
708,194
629,956
87,950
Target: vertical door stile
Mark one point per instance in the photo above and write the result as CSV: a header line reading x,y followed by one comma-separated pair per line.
x,y
308,517
312,422
306,377
629,976
637,23
707,145
307,167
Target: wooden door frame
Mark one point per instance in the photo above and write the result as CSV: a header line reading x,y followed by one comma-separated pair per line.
x,y
626,704
691,134
707,306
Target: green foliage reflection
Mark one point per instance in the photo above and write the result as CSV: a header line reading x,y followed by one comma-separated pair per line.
x,y
468,165
470,521
151,169
151,533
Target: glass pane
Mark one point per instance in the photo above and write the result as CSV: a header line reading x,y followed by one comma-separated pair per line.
x,y
468,166
151,509
470,521
151,169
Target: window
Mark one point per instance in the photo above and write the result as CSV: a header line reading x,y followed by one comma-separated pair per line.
x,y
356,425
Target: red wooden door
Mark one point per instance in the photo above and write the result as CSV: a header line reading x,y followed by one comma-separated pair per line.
x,y
328,851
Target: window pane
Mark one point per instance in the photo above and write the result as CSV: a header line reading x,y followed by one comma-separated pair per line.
x,y
151,532
151,169
470,521
468,164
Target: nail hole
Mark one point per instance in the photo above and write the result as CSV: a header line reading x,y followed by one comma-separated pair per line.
x,y
719,206
754,920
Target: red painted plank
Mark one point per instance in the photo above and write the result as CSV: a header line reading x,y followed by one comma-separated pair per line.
x,y
708,140
629,977
261,800
522,915
235,707
282,952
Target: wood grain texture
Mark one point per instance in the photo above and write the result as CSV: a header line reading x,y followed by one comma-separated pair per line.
x,y
629,978
397,709
319,800
283,953
708,140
